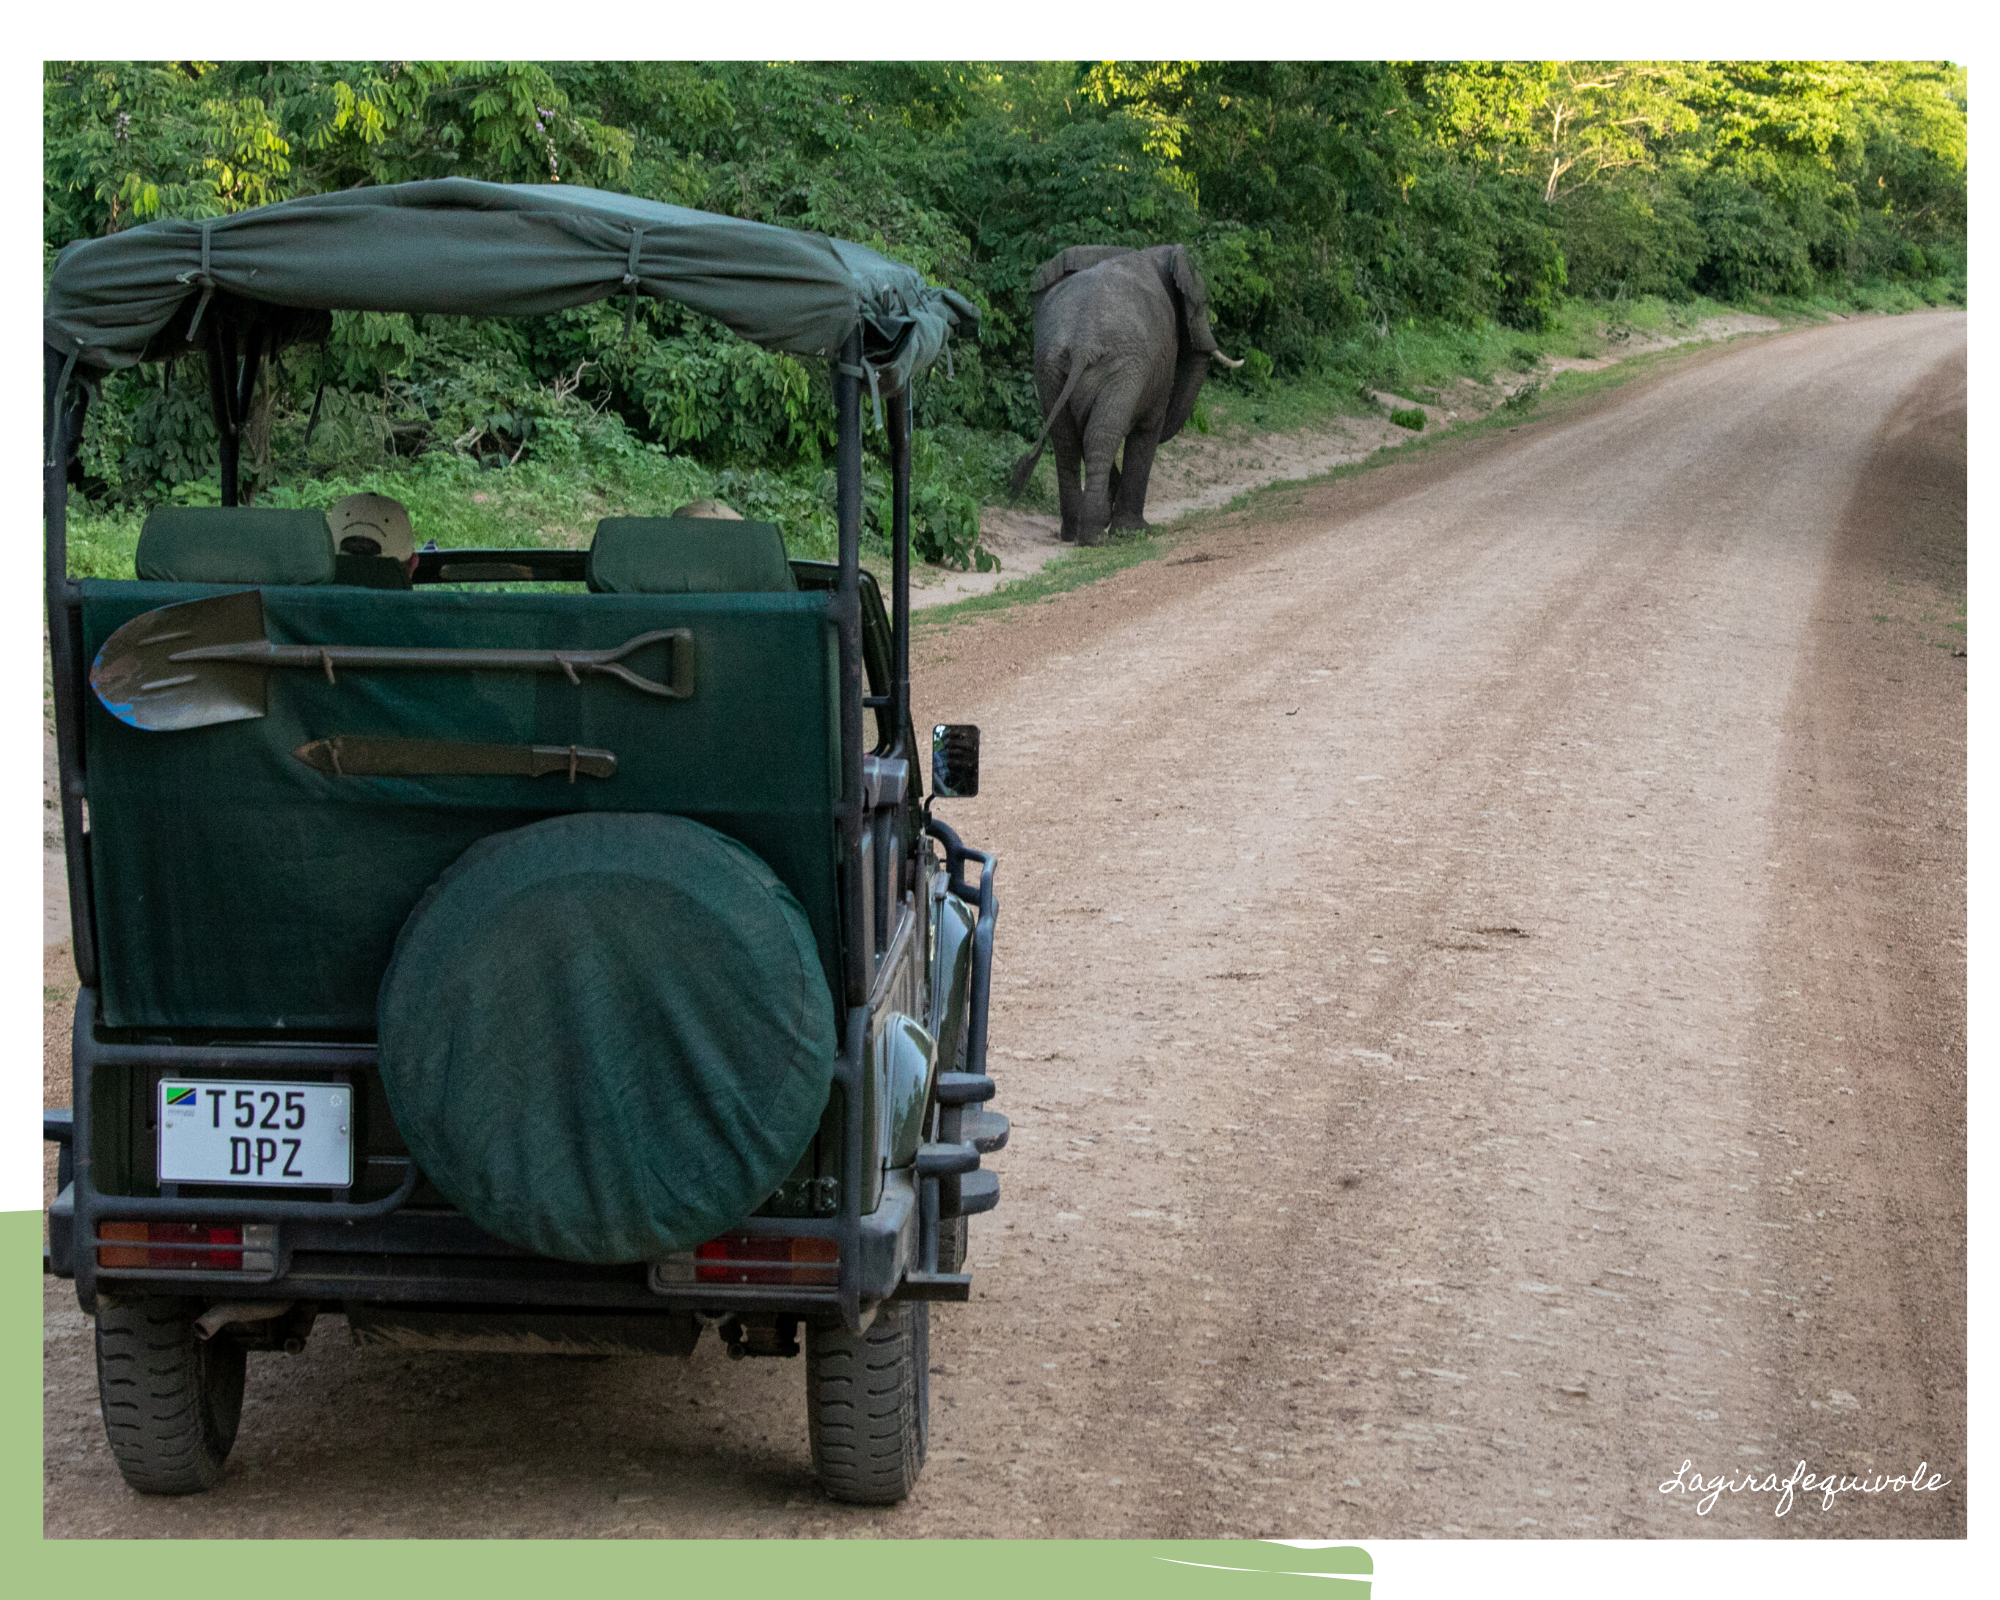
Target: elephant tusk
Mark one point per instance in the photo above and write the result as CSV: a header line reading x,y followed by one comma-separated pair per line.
x,y
1219,356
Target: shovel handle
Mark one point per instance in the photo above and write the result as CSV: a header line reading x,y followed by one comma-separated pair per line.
x,y
325,657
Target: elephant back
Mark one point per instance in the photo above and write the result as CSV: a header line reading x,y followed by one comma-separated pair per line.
x,y
1077,258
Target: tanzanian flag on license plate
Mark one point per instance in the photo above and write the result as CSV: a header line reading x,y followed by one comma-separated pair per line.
x,y
180,1097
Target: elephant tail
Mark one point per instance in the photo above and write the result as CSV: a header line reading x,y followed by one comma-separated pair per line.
x,y
1017,480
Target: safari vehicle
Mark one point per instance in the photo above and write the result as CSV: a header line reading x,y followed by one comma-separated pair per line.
x,y
568,969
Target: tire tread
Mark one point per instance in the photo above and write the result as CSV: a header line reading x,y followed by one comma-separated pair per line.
x,y
171,1402
867,1400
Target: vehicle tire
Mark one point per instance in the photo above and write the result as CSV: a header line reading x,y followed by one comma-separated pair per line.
x,y
954,1241
868,1404
954,1233
171,1401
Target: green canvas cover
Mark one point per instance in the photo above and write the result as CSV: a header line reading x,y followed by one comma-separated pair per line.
x,y
607,1036
460,247
235,886
235,544
687,555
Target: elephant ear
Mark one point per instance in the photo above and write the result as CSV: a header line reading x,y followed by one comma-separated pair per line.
x,y
1197,342
1195,330
1073,260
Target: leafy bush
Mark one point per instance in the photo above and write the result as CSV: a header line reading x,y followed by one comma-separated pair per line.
x,y
1255,373
1635,238
1751,248
1412,417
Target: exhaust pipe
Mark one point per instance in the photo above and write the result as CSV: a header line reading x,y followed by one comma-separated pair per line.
x,y
216,1318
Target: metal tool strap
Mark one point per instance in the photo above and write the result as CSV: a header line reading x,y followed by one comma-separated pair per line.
x,y
874,385
204,277
631,281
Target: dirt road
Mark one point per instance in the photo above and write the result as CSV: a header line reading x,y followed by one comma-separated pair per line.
x,y
1481,1000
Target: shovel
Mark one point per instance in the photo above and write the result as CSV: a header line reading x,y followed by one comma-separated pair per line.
x,y
202,662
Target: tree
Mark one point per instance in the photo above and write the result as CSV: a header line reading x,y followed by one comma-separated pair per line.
x,y
1563,123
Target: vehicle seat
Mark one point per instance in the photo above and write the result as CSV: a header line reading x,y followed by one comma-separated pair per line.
x,y
235,544
687,555
370,572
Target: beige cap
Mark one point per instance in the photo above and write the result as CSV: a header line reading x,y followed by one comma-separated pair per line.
x,y
364,520
709,508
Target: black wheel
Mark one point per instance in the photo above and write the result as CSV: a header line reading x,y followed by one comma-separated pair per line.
x,y
171,1400
954,1237
954,1240
868,1404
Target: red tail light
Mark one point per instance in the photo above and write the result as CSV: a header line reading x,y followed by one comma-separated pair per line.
x,y
751,1258
170,1246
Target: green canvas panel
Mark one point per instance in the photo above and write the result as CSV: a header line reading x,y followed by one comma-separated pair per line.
x,y
687,555
606,1036
460,247
235,544
236,887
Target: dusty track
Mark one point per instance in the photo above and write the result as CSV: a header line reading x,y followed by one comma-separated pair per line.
x,y
1481,1000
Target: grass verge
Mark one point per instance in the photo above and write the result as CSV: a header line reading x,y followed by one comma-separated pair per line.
x,y
1543,402
1075,570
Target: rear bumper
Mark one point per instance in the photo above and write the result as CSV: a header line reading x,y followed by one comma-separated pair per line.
x,y
428,1257
423,1257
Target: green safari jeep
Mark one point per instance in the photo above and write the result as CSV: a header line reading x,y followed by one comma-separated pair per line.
x,y
568,969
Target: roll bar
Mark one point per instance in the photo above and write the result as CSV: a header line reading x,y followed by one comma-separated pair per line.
x,y
61,426
857,975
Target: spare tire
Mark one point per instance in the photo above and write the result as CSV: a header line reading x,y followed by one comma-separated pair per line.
x,y
607,1036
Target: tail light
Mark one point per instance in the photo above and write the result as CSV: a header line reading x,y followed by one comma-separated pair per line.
x,y
763,1259
182,1246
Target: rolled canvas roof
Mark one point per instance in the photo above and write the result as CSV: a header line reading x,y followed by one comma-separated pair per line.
x,y
459,247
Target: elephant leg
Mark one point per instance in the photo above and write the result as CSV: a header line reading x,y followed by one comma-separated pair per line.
x,y
1100,448
1128,498
1069,471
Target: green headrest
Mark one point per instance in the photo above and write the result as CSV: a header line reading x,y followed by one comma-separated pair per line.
x,y
687,555
235,544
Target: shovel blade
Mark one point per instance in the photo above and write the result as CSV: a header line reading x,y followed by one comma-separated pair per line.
x,y
138,682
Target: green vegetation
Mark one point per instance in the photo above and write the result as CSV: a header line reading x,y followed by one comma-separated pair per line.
x,y
1364,226
1411,417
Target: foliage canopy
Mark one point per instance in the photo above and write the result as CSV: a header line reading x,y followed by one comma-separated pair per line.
x,y
1329,203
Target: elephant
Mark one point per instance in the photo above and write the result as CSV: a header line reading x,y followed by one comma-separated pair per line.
x,y
1122,346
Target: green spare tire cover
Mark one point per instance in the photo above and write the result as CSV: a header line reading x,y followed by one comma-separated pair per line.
x,y
607,1036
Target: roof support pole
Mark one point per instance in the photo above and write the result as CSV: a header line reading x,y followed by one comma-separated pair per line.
x,y
847,621
245,369
58,421
899,462
221,392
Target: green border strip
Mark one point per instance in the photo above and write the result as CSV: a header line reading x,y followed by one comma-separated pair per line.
x,y
21,1380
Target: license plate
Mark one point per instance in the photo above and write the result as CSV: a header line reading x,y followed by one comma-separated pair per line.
x,y
262,1133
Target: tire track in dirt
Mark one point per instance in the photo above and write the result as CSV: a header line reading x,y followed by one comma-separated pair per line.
x,y
1613,1428
1865,1006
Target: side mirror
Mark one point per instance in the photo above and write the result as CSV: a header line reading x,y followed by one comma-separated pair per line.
x,y
954,761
